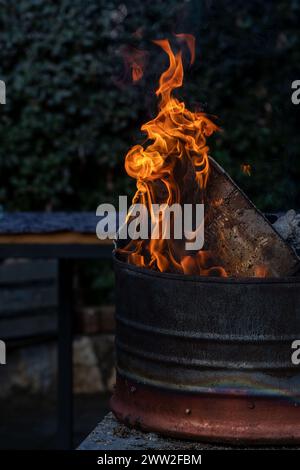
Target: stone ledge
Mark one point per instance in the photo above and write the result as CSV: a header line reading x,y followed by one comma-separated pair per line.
x,y
112,435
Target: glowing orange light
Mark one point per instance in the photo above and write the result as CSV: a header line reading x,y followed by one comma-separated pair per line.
x,y
246,168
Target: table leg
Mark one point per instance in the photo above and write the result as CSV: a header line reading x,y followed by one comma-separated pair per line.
x,y
65,359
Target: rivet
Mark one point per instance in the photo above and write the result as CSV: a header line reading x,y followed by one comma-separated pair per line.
x,y
188,411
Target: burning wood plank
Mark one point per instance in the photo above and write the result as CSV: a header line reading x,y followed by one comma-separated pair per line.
x,y
238,232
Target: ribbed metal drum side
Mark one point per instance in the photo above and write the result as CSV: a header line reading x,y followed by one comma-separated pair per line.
x,y
201,337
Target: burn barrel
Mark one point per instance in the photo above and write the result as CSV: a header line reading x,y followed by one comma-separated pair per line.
x,y
207,358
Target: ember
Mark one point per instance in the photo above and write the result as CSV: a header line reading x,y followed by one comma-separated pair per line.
x,y
135,62
197,356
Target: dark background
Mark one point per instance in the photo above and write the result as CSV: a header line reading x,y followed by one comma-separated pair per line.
x,y
72,112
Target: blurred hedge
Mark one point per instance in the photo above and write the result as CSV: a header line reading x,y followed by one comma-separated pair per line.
x,y
71,114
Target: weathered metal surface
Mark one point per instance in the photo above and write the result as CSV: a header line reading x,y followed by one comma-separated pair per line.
x,y
215,339
243,239
217,418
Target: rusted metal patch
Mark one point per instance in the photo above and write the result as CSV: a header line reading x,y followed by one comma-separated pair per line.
x,y
245,242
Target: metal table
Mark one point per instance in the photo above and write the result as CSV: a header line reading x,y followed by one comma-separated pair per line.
x,y
65,237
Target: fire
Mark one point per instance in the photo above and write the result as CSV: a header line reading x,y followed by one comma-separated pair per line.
x,y
137,72
246,168
260,271
203,262
172,167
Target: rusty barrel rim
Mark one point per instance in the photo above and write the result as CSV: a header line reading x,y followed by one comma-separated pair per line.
x,y
224,419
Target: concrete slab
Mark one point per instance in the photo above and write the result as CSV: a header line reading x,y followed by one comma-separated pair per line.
x,y
112,435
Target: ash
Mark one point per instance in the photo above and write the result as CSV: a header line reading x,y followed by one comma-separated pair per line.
x,y
288,226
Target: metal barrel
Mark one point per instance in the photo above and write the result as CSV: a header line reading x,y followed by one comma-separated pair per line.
x,y
207,358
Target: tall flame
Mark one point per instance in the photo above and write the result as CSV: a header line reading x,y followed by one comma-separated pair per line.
x,y
172,168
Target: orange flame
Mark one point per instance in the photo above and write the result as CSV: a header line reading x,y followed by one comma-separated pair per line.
x,y
190,40
135,61
172,168
137,72
260,271
246,168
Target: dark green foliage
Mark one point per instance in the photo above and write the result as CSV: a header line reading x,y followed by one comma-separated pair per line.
x,y
71,115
